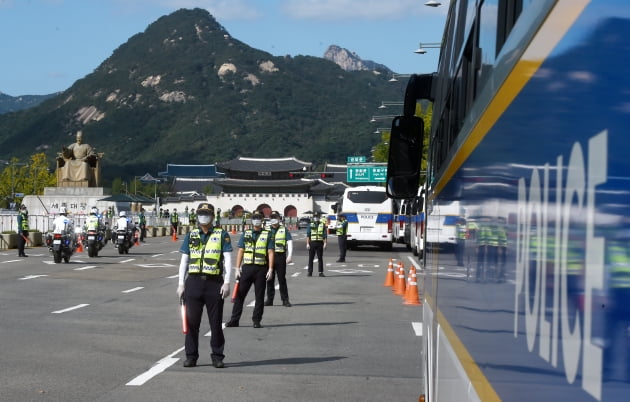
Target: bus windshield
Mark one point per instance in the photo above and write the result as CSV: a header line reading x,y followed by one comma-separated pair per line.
x,y
367,197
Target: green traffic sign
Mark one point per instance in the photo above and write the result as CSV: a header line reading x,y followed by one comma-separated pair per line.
x,y
356,159
366,174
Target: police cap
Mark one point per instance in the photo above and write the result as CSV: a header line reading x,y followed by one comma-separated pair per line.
x,y
205,207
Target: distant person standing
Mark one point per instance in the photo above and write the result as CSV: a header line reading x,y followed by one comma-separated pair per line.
x,y
283,253
254,265
174,222
192,217
204,280
316,239
22,229
142,221
342,236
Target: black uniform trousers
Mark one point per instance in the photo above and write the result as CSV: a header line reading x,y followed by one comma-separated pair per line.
x,y
279,268
204,290
343,246
256,275
22,241
316,247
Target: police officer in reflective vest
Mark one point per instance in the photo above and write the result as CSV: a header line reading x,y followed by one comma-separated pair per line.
x,y
342,236
175,222
316,240
22,229
204,280
283,253
254,265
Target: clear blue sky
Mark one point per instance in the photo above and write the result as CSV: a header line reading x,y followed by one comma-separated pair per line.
x,y
49,44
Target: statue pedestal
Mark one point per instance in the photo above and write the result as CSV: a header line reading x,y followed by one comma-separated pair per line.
x,y
78,200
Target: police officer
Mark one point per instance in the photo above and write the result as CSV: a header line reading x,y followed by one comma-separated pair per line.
x,y
192,217
175,222
342,236
254,265
283,253
204,280
22,229
316,239
142,221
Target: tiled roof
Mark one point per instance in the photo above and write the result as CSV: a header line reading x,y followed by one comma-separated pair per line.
x,y
242,164
191,171
275,186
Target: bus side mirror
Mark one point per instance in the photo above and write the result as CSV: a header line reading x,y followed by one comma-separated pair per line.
x,y
405,153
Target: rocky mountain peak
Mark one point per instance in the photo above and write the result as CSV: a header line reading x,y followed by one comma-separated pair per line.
x,y
350,61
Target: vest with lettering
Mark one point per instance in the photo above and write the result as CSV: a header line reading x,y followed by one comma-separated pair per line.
x,y
205,258
317,231
281,240
24,222
255,252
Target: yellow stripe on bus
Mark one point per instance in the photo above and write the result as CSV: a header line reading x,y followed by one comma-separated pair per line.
x,y
560,19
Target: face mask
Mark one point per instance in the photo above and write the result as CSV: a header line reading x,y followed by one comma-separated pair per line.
x,y
204,219
274,221
256,222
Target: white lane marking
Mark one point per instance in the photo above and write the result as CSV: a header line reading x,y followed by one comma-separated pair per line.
x,y
210,332
159,367
84,268
415,263
5,262
368,265
173,276
78,306
123,261
252,303
277,287
295,274
158,265
350,271
30,277
417,328
157,255
132,289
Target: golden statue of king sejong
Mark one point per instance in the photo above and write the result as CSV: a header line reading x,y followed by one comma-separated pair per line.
x,y
78,165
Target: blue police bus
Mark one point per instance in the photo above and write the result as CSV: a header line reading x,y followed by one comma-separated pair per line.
x,y
530,135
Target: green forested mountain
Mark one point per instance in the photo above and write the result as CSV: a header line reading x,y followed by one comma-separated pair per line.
x,y
185,91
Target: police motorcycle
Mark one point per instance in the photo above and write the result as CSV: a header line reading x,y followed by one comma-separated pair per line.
x,y
94,236
125,235
62,242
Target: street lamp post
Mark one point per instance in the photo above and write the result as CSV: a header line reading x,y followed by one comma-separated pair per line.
x,y
427,45
396,76
374,119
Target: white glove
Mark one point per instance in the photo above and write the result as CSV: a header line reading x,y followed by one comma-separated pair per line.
x,y
238,273
225,290
308,246
180,291
269,272
289,259
325,246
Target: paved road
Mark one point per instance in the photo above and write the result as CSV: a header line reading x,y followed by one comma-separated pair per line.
x,y
108,329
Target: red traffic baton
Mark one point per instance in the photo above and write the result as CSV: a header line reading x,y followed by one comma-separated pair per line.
x,y
183,314
235,291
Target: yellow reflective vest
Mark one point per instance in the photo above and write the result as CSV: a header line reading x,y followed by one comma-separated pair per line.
x,y
205,258
280,240
255,252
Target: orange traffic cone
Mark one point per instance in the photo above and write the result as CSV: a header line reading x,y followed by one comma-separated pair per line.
x,y
137,242
234,229
411,295
174,238
79,246
400,281
389,277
